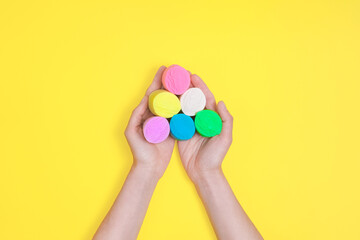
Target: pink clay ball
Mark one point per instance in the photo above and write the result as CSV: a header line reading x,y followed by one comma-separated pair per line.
x,y
176,79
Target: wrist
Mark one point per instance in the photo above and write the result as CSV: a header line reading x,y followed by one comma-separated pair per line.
x,y
207,177
146,172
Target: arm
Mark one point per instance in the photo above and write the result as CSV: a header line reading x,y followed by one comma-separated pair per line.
x,y
128,211
125,217
202,158
228,218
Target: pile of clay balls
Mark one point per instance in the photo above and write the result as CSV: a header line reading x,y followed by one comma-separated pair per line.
x,y
179,110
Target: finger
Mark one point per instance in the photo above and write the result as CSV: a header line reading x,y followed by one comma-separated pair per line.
x,y
156,83
191,85
210,99
227,119
146,115
137,115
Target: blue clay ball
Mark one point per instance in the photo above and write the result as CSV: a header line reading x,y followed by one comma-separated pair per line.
x,y
182,127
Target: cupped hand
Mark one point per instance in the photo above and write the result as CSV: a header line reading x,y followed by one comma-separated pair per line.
x,y
202,156
148,156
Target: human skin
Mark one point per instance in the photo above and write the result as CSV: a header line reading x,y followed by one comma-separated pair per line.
x,y
201,157
150,161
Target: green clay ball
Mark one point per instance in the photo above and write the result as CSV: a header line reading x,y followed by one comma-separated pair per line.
x,y
208,123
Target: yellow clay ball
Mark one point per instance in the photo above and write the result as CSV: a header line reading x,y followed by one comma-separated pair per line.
x,y
164,104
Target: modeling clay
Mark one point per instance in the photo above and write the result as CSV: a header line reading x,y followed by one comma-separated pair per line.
x,y
208,123
176,79
156,129
192,101
164,104
182,127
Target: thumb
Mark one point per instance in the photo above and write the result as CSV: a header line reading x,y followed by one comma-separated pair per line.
x,y
137,116
227,119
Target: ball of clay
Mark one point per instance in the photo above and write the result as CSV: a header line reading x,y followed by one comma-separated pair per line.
x,y
192,101
156,129
176,79
208,123
164,104
182,127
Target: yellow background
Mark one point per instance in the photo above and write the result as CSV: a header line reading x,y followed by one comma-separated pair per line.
x,y
72,71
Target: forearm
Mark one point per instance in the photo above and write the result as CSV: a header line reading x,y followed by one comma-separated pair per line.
x,y
128,211
228,218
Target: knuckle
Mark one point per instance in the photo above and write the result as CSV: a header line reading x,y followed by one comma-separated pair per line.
x,y
134,111
212,101
126,132
227,139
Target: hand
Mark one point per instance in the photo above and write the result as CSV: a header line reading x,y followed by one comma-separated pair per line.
x,y
153,158
203,156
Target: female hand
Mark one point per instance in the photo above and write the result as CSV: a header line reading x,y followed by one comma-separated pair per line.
x,y
203,156
153,158
200,156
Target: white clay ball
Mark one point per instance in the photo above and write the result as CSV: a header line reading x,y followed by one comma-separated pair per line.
x,y
192,101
